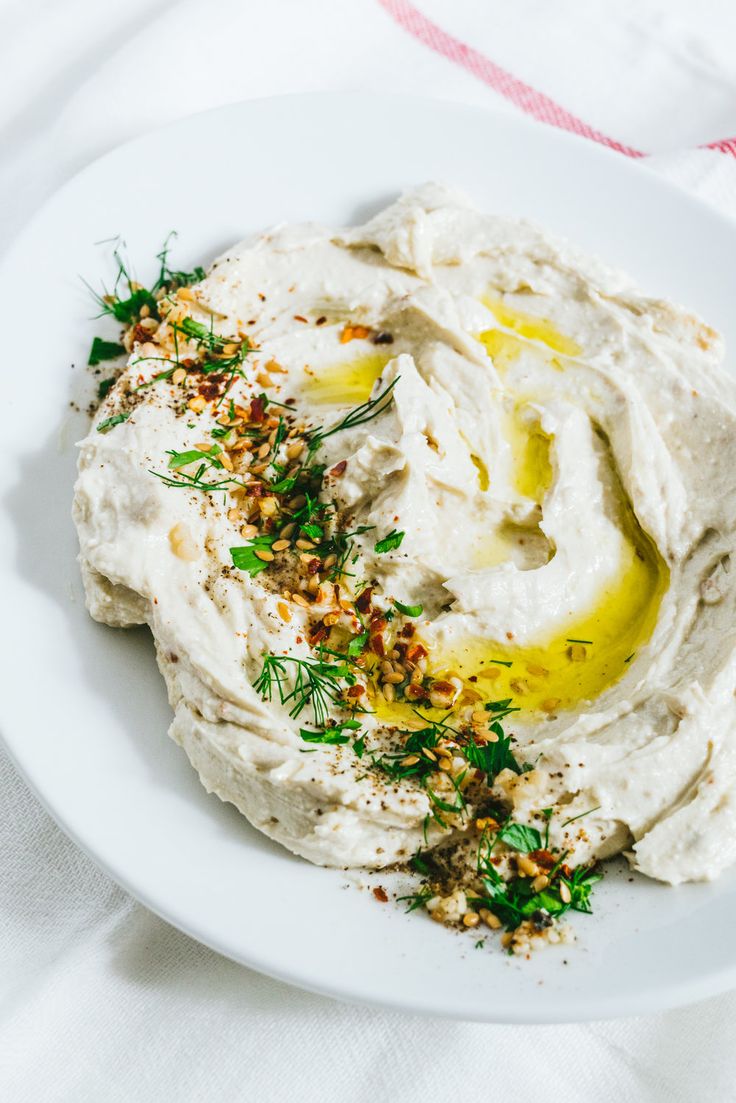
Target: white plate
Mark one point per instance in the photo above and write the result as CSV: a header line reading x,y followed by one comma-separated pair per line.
x,y
83,709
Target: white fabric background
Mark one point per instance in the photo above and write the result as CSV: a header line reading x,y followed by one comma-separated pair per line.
x,y
100,1000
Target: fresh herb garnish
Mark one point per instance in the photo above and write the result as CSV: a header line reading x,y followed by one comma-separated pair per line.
x,y
359,415
418,899
492,758
104,386
245,558
499,709
332,735
316,682
581,815
393,540
359,746
111,422
357,644
409,610
104,350
520,837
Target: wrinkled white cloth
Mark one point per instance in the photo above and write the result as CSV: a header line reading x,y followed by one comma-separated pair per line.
x,y
99,999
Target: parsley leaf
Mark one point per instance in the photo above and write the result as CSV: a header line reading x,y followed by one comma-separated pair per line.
x,y
111,422
520,837
104,350
492,758
393,540
409,610
245,558
357,644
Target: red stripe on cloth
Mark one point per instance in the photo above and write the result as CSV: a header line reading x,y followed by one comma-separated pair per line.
x,y
726,145
522,95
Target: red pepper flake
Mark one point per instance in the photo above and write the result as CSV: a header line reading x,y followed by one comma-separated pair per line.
x,y
318,632
380,894
300,318
338,469
257,409
363,601
416,652
543,858
320,321
140,333
313,566
355,691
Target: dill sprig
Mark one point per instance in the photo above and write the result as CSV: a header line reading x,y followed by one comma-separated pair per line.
x,y
359,415
299,683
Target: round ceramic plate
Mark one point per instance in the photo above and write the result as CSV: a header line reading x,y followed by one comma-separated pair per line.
x,y
83,709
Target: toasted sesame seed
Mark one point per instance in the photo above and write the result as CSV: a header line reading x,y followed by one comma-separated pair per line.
x,y
304,545
197,404
280,545
179,375
393,679
288,530
299,600
263,450
284,611
264,554
471,919
539,883
248,531
295,449
389,692
410,760
565,894
233,514
550,704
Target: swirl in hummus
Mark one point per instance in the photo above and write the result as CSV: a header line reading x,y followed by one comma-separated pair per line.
x,y
441,484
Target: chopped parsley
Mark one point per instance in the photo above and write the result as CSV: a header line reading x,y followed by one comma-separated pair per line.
x,y
245,558
409,610
492,758
520,837
393,540
104,350
331,735
111,422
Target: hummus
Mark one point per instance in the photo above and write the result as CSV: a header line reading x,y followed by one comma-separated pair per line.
x,y
437,471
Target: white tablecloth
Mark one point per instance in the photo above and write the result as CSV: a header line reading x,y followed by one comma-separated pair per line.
x,y
99,999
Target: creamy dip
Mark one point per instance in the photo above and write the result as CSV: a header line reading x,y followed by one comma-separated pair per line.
x,y
536,495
